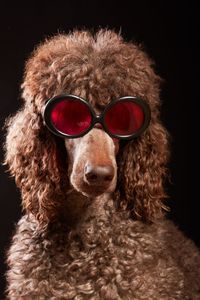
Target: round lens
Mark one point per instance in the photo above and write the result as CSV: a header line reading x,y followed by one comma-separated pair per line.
x,y
124,118
71,116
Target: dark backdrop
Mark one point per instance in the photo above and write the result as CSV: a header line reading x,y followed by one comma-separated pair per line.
x,y
168,32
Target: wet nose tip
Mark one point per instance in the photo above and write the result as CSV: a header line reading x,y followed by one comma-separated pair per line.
x,y
98,174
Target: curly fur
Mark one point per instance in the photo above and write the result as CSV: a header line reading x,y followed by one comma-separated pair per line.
x,y
117,246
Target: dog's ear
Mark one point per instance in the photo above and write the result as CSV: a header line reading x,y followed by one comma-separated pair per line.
x,y
142,169
34,158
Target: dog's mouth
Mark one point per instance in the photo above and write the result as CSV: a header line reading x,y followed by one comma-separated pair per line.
x,y
93,190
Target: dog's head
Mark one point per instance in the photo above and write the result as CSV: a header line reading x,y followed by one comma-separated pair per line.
x,y
98,68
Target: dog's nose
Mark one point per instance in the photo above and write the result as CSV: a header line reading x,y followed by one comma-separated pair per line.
x,y
98,174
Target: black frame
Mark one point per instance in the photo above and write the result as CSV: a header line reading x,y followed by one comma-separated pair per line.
x,y
96,118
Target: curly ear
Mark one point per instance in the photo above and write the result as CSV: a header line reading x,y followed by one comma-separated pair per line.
x,y
142,168
34,158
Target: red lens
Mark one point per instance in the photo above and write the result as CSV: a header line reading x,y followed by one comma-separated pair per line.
x,y
71,116
124,118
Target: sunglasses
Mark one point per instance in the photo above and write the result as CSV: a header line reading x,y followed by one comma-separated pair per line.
x,y
70,116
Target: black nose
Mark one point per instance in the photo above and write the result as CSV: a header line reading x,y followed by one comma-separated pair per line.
x,y
98,174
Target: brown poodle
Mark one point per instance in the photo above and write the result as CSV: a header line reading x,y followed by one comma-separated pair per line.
x,y
93,226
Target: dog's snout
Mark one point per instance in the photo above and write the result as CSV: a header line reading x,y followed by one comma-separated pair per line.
x,y
98,174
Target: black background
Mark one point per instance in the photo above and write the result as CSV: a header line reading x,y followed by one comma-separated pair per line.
x,y
168,30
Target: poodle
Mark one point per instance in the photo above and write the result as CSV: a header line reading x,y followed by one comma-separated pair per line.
x,y
89,154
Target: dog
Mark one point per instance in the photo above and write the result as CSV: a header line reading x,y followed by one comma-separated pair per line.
x,y
89,153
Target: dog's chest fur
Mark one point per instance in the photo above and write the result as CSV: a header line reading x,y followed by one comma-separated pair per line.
x,y
108,256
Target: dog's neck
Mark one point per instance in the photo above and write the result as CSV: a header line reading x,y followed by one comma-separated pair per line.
x,y
79,207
